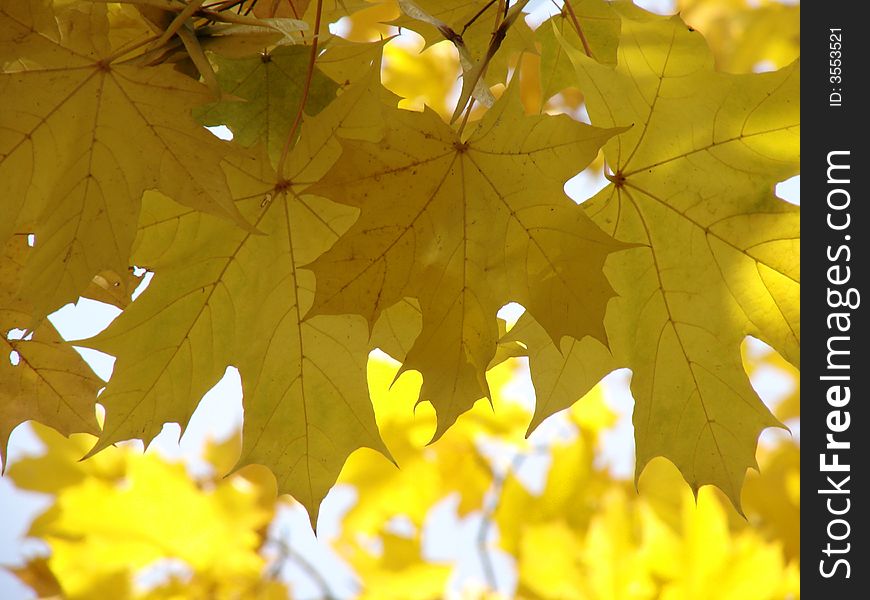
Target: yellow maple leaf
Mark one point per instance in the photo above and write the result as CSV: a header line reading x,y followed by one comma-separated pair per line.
x,y
699,556
571,495
719,254
772,498
466,225
41,377
426,473
224,296
423,76
124,512
600,25
426,232
398,571
270,86
561,374
589,536
364,18
84,133
743,34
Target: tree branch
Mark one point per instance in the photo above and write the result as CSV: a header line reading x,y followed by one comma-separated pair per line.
x,y
287,553
498,482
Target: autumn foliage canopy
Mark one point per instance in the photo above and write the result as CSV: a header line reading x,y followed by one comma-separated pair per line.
x,y
378,196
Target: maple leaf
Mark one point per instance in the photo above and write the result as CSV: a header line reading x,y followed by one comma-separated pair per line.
x,y
333,10
743,34
600,25
429,473
110,523
692,185
272,85
589,535
423,231
399,326
398,571
421,76
110,288
41,377
346,62
561,373
84,134
571,493
37,575
224,296
276,8
466,226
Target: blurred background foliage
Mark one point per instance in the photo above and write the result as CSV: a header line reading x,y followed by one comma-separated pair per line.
x,y
124,524
483,513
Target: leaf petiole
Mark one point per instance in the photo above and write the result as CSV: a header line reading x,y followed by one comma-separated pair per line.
x,y
308,76
579,29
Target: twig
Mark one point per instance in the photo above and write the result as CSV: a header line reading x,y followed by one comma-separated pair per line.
x,y
476,16
309,74
487,518
310,570
200,61
287,553
128,48
226,5
579,29
465,118
178,22
471,76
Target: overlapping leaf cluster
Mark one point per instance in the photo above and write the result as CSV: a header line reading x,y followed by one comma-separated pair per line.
x,y
335,222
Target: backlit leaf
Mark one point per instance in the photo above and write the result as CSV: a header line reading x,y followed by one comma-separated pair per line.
x,y
719,258
466,226
41,377
84,134
212,304
268,88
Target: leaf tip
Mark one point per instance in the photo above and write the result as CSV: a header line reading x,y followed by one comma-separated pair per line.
x,y
98,447
533,425
441,427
